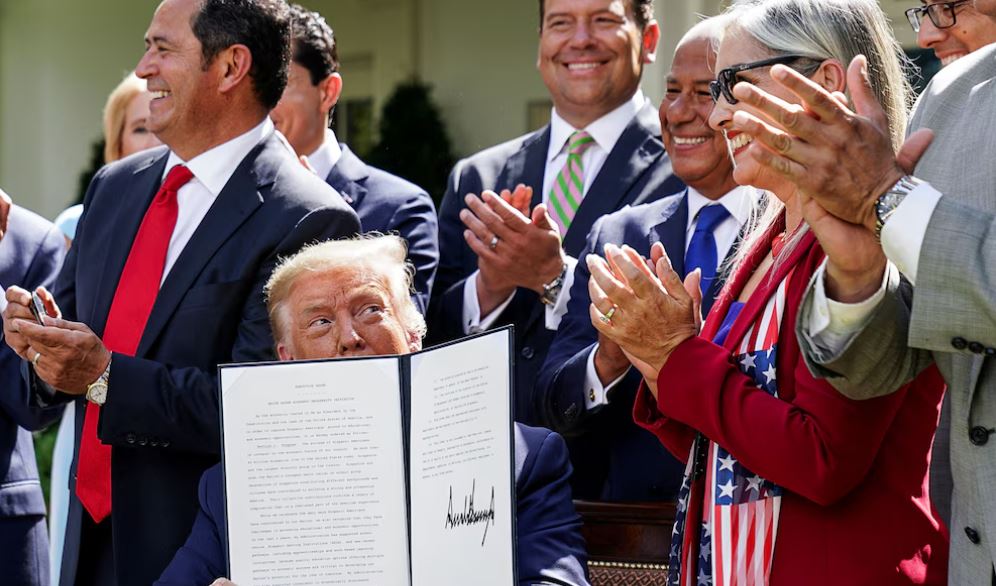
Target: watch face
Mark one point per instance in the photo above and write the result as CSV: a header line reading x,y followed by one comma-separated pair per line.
x,y
97,393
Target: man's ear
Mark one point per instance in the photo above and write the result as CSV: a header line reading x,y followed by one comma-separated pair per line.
x,y
648,45
330,89
832,76
235,63
283,352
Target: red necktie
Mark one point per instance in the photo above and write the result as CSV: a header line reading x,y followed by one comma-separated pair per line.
x,y
133,300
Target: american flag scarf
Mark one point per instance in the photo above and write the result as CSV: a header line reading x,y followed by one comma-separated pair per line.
x,y
727,516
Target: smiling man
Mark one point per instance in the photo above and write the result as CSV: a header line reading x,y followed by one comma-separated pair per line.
x,y
951,29
512,263
351,298
586,388
156,294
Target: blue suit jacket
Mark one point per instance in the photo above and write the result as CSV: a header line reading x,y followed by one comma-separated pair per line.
x,y
161,415
614,459
386,203
31,253
550,549
636,171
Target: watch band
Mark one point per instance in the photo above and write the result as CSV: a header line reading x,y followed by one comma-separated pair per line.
x,y
552,289
96,392
888,202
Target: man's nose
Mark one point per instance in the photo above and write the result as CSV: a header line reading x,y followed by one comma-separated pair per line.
x,y
350,340
929,34
144,68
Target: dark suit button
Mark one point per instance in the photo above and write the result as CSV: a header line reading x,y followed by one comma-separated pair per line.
x,y
142,441
154,442
973,535
571,412
959,343
979,435
164,443
976,348
528,353
130,438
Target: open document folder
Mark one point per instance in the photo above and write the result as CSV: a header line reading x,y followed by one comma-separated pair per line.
x,y
387,470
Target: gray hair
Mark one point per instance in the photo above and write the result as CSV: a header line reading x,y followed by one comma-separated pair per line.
x,y
821,30
379,255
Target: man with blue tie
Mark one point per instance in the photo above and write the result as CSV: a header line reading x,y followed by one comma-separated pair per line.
x,y
586,388
385,203
509,262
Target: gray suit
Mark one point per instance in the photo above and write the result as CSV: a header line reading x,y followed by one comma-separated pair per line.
x,y
950,320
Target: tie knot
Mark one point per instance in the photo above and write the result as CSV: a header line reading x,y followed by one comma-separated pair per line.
x,y
177,177
710,216
579,142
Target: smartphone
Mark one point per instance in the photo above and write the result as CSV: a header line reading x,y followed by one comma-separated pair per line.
x,y
38,308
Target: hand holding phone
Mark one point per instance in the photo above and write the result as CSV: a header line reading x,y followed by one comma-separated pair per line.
x,y
38,307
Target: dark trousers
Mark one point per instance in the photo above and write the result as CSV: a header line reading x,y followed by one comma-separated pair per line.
x,y
24,550
96,559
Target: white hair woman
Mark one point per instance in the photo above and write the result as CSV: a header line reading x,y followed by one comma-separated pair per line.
x,y
788,481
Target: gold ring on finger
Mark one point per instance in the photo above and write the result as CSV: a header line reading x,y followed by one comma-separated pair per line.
x,y
34,361
610,313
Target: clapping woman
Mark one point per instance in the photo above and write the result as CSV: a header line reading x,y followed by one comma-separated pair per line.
x,y
787,481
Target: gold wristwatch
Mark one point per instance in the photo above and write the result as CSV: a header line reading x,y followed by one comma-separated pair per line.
x,y
96,392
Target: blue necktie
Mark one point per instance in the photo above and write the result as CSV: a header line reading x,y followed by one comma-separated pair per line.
x,y
702,252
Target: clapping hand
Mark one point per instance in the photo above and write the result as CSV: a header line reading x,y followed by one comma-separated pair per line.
x,y
513,249
647,313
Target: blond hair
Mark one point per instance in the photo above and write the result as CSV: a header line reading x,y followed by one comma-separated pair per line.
x,y
115,111
380,256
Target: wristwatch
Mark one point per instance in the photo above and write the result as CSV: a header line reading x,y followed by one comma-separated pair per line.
x,y
96,392
552,289
887,203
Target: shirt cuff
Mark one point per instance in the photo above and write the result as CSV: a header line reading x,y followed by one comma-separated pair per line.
x,y
597,394
554,313
472,321
903,233
833,324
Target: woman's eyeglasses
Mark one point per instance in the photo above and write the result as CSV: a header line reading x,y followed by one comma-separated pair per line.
x,y
942,14
727,78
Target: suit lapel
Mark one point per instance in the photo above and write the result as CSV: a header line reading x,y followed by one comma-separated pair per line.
x,y
671,232
236,202
527,165
348,176
638,147
126,220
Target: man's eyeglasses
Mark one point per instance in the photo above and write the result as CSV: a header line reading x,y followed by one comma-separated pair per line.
x,y
727,78
942,14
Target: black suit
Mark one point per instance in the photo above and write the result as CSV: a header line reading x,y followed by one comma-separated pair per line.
x,y
161,415
386,203
637,170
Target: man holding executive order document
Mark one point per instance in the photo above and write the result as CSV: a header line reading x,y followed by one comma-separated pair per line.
x,y
396,467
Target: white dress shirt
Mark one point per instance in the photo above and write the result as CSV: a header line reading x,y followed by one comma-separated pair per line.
x,y
212,169
831,325
739,203
606,132
326,156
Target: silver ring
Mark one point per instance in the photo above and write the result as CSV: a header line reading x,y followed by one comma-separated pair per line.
x,y
610,313
494,242
34,361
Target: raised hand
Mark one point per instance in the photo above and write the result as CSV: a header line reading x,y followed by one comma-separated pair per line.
x,y
841,157
647,315
513,250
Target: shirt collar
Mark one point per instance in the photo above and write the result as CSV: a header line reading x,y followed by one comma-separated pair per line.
x,y
327,155
739,202
606,130
214,167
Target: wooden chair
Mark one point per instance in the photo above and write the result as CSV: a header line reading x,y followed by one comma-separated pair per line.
x,y
627,542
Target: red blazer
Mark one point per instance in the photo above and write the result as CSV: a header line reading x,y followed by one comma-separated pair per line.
x,y
855,508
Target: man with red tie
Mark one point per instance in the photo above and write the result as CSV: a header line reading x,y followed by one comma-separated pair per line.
x,y
156,293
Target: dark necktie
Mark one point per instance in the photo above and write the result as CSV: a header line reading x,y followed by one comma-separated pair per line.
x,y
702,252
130,309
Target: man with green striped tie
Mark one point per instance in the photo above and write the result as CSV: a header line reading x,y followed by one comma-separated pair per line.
x,y
504,257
